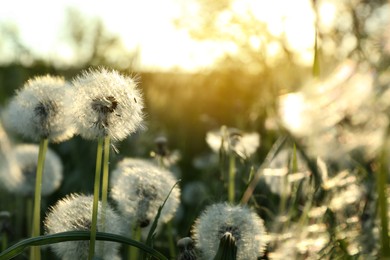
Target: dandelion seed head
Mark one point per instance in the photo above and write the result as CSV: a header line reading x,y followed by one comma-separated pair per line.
x,y
140,190
26,156
233,140
186,249
41,110
108,104
10,173
243,224
74,213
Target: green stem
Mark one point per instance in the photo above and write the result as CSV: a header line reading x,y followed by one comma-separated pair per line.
x,y
35,251
133,251
106,159
172,247
232,175
382,204
4,241
96,191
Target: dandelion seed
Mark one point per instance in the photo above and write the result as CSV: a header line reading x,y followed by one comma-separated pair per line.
x,y
26,158
41,110
74,213
139,190
243,144
108,104
245,226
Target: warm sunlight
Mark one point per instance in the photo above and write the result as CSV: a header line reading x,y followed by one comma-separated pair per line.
x,y
151,32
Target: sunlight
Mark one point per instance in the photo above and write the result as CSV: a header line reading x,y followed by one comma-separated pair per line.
x,y
160,44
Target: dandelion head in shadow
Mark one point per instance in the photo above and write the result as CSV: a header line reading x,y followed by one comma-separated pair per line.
x,y
74,213
186,249
108,104
10,173
41,109
242,224
26,159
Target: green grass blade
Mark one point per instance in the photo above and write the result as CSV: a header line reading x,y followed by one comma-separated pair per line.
x,y
19,247
154,225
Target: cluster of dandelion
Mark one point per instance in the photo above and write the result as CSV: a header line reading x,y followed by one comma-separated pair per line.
x,y
106,106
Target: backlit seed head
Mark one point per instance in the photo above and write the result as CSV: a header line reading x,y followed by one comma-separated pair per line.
x,y
244,225
41,109
74,212
139,189
108,104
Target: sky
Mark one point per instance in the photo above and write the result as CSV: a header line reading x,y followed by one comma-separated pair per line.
x,y
147,26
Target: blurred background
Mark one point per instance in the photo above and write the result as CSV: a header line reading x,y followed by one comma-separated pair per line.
x,y
201,64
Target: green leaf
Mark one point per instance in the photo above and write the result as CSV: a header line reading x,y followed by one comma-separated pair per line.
x,y
19,247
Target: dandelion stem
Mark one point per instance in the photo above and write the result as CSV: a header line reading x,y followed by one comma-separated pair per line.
x,y
35,251
4,241
172,247
96,191
381,182
133,251
232,175
106,158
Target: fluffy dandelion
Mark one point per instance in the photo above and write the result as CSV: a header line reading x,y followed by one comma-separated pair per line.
x,y
26,158
10,173
233,140
74,213
139,191
41,110
108,104
245,226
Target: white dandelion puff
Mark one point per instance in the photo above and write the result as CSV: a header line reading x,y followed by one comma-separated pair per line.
x,y
140,190
41,109
74,213
108,104
242,223
10,173
26,158
234,140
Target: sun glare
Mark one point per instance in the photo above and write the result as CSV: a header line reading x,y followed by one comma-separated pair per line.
x,y
161,45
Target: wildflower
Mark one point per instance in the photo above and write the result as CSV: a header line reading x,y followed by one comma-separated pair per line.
x,y
26,158
140,190
245,226
74,213
231,139
41,110
108,104
337,116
